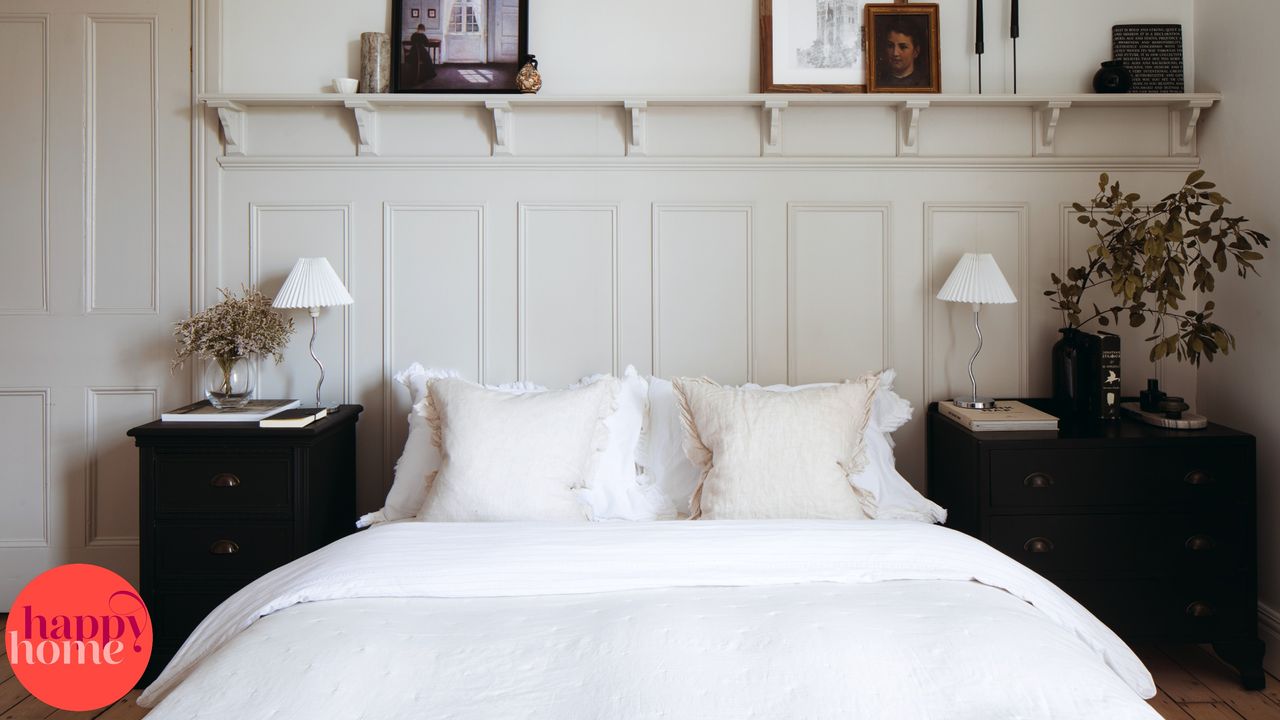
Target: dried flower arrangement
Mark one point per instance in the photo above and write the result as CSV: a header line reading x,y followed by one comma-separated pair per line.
x,y
1145,255
234,328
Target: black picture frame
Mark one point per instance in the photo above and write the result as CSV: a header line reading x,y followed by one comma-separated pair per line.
x,y
422,65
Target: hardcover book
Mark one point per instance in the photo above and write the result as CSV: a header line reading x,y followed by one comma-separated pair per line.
x,y
1109,376
1006,415
295,418
253,411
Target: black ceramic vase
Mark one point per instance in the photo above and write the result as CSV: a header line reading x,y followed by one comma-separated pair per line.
x,y
1112,77
1075,378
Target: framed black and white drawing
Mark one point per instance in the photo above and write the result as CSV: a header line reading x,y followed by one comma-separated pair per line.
x,y
903,49
458,46
812,46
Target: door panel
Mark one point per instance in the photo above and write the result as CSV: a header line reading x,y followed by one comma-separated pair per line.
x,y
464,38
95,268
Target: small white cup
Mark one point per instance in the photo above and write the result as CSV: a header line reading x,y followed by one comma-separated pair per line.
x,y
346,86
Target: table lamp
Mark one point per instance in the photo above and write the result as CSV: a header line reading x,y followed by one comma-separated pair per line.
x,y
312,284
976,280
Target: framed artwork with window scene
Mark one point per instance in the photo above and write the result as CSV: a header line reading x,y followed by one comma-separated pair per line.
x,y
903,48
812,46
458,46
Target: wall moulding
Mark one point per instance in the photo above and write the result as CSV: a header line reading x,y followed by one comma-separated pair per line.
x,y
1045,114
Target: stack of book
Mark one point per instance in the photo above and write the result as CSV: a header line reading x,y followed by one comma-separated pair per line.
x,y
1006,415
252,411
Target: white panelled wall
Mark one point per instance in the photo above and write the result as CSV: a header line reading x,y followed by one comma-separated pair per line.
x,y
1238,57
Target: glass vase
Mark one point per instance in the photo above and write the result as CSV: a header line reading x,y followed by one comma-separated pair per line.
x,y
229,382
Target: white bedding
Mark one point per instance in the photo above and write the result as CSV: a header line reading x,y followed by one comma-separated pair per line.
x,y
678,619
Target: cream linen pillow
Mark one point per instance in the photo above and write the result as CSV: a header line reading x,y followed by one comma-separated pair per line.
x,y
776,455
514,457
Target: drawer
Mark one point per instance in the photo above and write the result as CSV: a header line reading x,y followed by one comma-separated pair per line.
x,y
1173,610
1130,545
204,483
1114,476
231,550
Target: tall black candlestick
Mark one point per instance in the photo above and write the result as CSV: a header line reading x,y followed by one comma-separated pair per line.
x,y
978,46
1013,33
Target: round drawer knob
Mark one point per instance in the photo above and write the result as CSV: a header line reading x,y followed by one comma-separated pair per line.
x,y
1200,543
224,480
1038,545
1198,477
224,547
1038,480
1200,609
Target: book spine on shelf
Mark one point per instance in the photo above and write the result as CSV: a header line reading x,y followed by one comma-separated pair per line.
x,y
951,411
1109,374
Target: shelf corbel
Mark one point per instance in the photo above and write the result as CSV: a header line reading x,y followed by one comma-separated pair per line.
x,y
1047,117
637,113
502,120
1184,119
909,134
366,125
231,116
773,127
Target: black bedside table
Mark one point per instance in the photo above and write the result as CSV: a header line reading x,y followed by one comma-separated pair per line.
x,y
223,503
1153,530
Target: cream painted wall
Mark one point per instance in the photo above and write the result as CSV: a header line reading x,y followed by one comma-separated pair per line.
x,y
1238,56
671,46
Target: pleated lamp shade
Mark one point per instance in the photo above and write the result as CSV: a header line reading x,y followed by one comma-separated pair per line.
x,y
312,283
977,279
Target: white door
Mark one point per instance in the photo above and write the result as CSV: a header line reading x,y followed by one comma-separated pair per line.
x,y
464,36
94,269
504,31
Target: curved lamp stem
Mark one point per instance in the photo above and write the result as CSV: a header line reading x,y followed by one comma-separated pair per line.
x,y
315,314
973,380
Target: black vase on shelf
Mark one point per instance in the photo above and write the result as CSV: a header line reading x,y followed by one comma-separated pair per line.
x,y
1112,77
1076,380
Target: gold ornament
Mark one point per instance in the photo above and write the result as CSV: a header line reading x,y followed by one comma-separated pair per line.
x,y
529,80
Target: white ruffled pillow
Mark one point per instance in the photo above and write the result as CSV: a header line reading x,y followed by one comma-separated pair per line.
x,y
618,490
514,457
765,455
420,459
885,494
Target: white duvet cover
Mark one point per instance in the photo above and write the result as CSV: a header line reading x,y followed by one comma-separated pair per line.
x,y
779,619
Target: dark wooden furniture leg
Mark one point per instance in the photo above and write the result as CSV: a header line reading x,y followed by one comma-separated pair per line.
x,y
1246,657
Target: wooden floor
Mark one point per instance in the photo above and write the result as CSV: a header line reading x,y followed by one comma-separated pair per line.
x,y
1194,685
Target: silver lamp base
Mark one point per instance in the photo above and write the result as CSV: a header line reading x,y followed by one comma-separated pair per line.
x,y
982,403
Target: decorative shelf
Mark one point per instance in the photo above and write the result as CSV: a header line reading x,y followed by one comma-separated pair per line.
x,y
1050,111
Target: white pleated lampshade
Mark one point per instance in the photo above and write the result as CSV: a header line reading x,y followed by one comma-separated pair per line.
x,y
312,283
977,279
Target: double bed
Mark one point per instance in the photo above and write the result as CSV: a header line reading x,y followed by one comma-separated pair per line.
x,y
579,598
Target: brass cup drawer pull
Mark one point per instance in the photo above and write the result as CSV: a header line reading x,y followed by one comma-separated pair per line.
x,y
1038,545
224,547
224,480
1198,477
1201,543
1200,609
1038,480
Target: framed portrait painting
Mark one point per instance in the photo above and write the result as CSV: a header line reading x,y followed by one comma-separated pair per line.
x,y
902,48
458,46
812,46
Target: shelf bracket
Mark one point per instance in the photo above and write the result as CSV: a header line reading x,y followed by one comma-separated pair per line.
x,y
1184,120
909,135
232,118
366,125
773,127
637,112
502,120
1047,117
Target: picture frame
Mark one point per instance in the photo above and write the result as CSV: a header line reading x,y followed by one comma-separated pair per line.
x,y
812,46
458,46
903,48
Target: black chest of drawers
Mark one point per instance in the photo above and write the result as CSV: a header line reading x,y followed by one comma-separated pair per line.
x,y
224,503
1153,530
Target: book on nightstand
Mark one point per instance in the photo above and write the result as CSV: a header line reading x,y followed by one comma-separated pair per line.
x,y
252,411
1006,415
295,418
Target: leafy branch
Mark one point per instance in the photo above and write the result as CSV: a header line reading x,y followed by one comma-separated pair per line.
x,y
1144,256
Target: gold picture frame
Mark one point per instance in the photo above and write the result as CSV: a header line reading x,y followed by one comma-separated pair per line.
x,y
903,48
